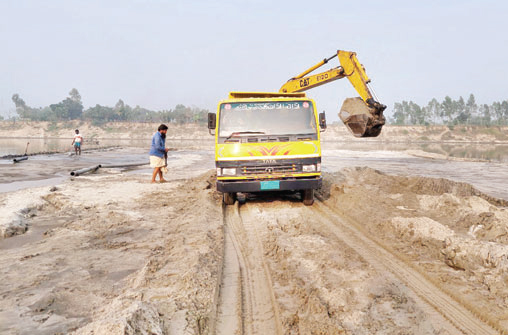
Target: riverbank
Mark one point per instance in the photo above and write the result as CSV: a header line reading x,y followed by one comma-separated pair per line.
x,y
334,132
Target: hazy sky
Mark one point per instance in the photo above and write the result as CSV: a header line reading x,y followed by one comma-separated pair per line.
x,y
157,54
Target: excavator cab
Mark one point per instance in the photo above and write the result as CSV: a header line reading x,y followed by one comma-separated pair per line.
x,y
363,115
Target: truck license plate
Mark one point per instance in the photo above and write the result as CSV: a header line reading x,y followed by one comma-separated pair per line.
x,y
270,185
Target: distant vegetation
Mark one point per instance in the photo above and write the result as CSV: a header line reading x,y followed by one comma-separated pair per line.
x,y
72,109
451,112
448,112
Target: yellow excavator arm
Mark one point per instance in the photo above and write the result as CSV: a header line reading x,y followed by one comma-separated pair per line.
x,y
364,115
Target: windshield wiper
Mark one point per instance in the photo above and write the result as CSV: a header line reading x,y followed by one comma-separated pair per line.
x,y
243,132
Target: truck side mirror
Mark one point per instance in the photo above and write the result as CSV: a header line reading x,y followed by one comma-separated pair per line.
x,y
322,121
212,121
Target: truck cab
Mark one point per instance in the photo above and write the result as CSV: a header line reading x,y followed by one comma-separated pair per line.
x,y
267,141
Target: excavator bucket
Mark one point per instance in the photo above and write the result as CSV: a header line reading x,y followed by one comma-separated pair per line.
x,y
361,119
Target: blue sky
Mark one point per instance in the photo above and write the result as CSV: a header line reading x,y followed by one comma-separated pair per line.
x,y
158,54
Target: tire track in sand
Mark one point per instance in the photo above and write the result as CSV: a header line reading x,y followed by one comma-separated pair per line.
x,y
246,300
382,260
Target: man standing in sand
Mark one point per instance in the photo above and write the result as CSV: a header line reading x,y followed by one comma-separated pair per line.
x,y
76,142
157,152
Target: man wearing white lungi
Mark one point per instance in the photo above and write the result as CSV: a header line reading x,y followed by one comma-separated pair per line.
x,y
157,152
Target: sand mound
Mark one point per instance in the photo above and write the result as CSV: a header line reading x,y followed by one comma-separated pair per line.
x,y
437,223
17,207
128,257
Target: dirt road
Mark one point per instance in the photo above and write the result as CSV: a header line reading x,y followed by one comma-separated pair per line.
x,y
375,254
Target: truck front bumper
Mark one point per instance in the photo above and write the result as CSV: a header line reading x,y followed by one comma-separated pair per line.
x,y
278,185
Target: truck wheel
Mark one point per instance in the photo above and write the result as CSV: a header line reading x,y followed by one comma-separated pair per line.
x,y
229,198
241,198
308,197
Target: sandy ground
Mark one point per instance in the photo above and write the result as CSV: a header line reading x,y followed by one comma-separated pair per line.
x,y
128,258
111,253
453,234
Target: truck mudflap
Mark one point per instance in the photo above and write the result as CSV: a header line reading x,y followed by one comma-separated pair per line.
x,y
268,185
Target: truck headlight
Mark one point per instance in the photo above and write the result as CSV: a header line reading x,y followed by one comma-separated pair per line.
x,y
219,172
309,168
228,171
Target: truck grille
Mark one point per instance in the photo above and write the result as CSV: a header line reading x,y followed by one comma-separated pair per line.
x,y
274,169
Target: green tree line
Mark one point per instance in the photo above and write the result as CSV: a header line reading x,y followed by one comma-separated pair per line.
x,y
451,112
71,108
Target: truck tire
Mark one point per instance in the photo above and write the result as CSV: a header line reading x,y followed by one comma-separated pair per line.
x,y
308,197
229,198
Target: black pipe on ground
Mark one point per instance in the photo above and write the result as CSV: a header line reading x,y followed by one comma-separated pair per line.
x,y
19,159
85,170
124,165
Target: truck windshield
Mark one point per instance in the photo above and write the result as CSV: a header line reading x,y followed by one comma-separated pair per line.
x,y
270,118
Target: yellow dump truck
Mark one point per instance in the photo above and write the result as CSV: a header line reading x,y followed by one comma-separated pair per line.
x,y
270,141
